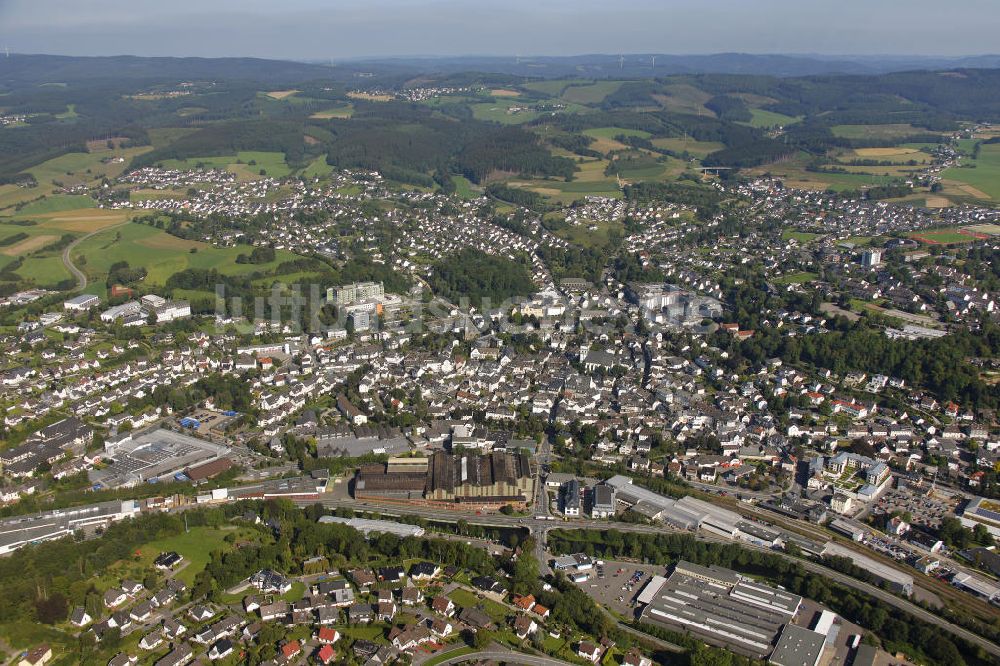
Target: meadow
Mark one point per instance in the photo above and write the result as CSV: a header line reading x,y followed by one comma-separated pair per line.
x,y
161,254
984,179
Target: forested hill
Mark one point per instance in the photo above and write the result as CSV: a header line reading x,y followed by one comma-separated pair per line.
x,y
51,69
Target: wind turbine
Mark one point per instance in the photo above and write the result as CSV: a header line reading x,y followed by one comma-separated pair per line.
x,y
517,59
6,49
621,62
654,63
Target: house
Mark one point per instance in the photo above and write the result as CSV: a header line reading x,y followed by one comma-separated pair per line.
x,y
270,582
541,611
410,596
151,641
443,606
290,650
525,603
475,618
123,659
524,626
36,656
326,654
589,651
80,617
441,628
180,655
409,638
360,613
327,635
221,649
385,611
635,658
200,613
424,571
114,598
391,574
277,611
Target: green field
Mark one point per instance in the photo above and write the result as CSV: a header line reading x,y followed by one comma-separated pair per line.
x,y
682,144
498,112
195,546
800,236
465,189
553,88
796,278
593,93
56,203
612,132
942,237
162,254
887,131
985,177
317,168
764,118
273,163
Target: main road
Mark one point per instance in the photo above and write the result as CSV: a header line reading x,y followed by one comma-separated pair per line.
x,y
504,656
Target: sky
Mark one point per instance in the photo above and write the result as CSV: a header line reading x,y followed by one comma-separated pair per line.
x,y
343,29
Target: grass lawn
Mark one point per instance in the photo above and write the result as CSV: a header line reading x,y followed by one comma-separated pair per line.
x,y
796,278
317,168
195,547
366,632
466,599
800,236
943,236
464,188
448,654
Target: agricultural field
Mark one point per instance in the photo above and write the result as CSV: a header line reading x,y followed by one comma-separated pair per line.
x,y
369,97
342,111
605,141
554,87
161,254
503,111
281,94
887,131
684,98
272,163
593,93
983,181
695,148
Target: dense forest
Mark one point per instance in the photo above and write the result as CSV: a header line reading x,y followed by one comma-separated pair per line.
x,y
483,279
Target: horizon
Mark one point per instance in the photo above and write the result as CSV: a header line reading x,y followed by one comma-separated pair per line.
x,y
309,30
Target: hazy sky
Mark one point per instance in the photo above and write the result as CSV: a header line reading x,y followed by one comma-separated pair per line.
x,y
357,28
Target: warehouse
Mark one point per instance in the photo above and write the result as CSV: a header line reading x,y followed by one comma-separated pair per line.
x,y
797,647
720,607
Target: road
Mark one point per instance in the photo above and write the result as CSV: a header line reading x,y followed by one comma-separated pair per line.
x,y
505,656
81,278
540,528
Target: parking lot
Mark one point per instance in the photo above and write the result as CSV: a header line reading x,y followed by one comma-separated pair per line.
x,y
925,510
614,590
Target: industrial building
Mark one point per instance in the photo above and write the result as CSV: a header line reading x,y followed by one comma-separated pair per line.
x,y
685,513
797,646
154,456
493,478
720,607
